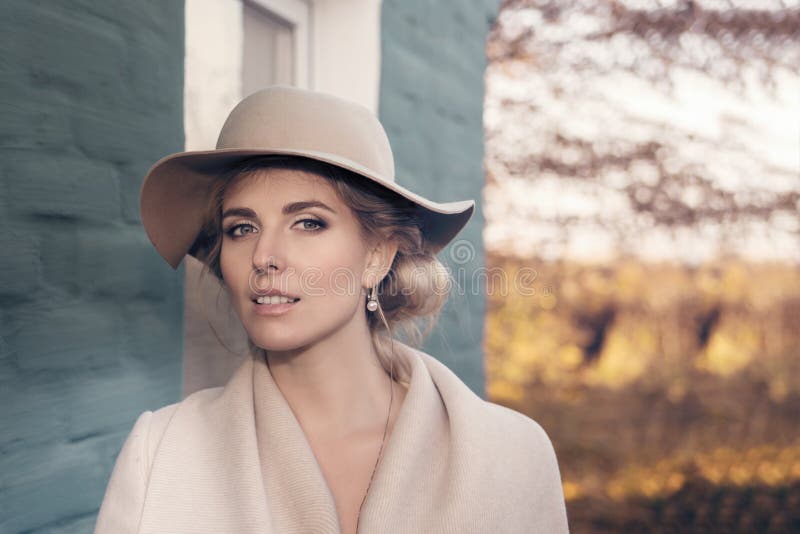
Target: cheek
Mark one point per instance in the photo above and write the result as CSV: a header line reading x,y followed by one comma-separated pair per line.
x,y
234,257
224,255
234,268
228,274
335,277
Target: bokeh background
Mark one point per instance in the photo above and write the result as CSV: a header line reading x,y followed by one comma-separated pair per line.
x,y
629,278
642,198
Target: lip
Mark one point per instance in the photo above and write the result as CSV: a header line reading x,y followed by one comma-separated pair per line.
x,y
274,309
271,293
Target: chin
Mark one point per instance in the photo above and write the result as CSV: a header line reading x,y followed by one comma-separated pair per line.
x,y
273,341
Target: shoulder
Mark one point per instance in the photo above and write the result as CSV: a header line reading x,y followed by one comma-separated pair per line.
x,y
516,446
498,429
151,425
503,421
487,418
526,459
159,419
526,438
124,496
531,460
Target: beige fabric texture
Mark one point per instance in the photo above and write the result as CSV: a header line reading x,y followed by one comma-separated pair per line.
x,y
234,459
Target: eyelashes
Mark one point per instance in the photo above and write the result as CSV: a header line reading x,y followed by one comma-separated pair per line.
x,y
230,232
232,229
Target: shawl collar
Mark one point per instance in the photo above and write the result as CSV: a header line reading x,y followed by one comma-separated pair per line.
x,y
235,459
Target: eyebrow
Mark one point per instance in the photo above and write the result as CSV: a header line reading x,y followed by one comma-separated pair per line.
x,y
288,209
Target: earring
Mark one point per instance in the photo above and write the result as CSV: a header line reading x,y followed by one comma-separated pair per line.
x,y
372,302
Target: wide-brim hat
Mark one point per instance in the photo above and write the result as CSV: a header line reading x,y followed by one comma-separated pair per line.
x,y
280,120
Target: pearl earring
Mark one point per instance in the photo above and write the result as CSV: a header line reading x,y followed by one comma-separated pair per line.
x,y
372,303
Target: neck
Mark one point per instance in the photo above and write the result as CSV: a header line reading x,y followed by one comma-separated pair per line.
x,y
336,387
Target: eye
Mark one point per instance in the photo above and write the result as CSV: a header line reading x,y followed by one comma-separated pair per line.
x,y
234,231
231,231
317,224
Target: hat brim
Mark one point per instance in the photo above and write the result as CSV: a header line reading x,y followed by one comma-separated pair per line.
x,y
173,198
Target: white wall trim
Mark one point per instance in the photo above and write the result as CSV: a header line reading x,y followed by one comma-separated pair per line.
x,y
346,49
292,11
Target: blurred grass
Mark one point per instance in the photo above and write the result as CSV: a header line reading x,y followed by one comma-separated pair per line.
x,y
668,390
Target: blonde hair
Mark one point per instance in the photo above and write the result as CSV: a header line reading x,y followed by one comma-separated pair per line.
x,y
410,296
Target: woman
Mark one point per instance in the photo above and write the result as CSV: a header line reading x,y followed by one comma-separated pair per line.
x,y
331,425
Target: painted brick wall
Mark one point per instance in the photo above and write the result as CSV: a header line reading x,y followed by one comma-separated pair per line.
x,y
91,94
431,104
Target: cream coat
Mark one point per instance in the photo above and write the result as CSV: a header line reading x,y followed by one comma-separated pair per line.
x,y
234,459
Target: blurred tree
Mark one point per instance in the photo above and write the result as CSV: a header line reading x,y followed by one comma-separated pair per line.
x,y
664,129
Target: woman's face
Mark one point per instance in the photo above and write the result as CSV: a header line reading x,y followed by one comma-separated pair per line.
x,y
307,244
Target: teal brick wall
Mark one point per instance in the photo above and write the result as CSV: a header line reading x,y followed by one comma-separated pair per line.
x,y
431,104
91,93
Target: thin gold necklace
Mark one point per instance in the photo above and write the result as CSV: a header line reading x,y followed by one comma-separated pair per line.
x,y
383,440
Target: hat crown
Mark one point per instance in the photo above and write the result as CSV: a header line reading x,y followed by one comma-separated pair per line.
x,y
291,119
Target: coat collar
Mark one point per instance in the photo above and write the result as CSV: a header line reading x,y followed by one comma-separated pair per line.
x,y
300,498
235,459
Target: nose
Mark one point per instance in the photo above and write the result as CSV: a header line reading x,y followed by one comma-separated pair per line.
x,y
266,256
263,267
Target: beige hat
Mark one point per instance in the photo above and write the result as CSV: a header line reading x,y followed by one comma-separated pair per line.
x,y
280,120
